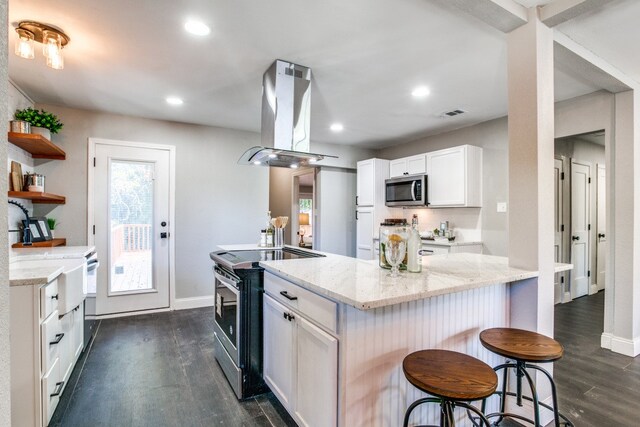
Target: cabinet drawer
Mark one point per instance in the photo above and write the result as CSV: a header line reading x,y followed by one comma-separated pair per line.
x,y
48,299
437,250
51,337
315,307
51,389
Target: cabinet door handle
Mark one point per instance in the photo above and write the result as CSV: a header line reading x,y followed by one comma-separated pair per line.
x,y
287,296
357,215
601,235
357,200
55,297
575,237
57,390
57,339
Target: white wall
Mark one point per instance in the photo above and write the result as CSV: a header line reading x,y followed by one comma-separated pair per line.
x,y
217,201
492,137
335,231
5,371
17,100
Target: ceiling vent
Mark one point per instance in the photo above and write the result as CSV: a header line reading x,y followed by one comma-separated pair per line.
x,y
453,113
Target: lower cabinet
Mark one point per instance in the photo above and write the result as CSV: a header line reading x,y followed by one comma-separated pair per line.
x,y
300,364
44,349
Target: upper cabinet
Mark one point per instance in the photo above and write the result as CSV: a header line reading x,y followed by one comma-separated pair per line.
x,y
370,184
455,177
408,166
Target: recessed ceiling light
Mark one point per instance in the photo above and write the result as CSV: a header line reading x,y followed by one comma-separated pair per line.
x,y
257,162
294,166
197,28
336,127
174,100
421,91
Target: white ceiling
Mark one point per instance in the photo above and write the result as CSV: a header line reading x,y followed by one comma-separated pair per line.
x,y
366,56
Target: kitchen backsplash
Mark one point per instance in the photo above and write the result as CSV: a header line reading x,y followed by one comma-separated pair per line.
x,y
466,222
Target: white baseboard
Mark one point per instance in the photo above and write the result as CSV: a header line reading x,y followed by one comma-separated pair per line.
x,y
127,314
605,340
194,302
625,346
566,298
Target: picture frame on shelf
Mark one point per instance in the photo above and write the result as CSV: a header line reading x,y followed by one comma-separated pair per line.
x,y
40,231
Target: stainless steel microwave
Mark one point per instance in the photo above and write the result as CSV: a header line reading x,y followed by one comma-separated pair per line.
x,y
408,190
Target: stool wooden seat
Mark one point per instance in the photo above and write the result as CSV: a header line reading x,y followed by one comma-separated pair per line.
x,y
453,378
526,349
450,375
522,345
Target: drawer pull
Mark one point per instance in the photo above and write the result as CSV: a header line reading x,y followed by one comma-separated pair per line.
x,y
58,389
287,296
57,339
54,296
424,252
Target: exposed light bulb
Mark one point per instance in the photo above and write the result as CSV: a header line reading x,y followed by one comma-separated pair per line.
x,y
24,44
55,61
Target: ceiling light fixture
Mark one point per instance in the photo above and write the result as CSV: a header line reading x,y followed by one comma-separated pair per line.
x,y
420,92
197,28
52,39
174,100
336,127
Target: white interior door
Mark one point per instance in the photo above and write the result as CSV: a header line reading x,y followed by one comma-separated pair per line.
x,y
364,242
601,227
558,227
580,226
131,212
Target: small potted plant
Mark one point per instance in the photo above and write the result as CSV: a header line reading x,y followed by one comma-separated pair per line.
x,y
42,122
53,224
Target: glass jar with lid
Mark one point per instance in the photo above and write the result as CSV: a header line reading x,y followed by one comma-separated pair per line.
x,y
392,229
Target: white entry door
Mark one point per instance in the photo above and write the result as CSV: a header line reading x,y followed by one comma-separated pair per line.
x,y
601,227
131,212
558,227
580,225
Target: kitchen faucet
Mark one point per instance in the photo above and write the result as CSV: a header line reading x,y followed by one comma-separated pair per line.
x,y
26,234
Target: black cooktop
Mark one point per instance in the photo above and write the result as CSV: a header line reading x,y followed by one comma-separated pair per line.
x,y
248,259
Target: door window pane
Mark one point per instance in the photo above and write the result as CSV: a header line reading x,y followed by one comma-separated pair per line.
x,y
131,214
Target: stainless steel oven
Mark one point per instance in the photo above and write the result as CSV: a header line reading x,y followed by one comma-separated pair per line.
x,y
408,190
227,317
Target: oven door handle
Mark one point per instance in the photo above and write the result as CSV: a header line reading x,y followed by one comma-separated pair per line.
x,y
227,283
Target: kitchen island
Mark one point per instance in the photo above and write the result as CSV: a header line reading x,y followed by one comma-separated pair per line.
x,y
336,330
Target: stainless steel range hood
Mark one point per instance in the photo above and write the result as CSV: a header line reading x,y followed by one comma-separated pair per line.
x,y
286,113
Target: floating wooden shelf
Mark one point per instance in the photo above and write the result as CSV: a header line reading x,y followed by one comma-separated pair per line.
x,y
47,244
39,146
37,197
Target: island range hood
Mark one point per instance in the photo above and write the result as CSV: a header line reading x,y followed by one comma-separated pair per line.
x,y
286,114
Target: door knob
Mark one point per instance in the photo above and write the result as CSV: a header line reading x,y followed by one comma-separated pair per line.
x,y
601,235
164,235
575,237
163,223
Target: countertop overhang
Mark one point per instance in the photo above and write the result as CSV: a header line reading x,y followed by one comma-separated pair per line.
x,y
58,252
34,276
364,285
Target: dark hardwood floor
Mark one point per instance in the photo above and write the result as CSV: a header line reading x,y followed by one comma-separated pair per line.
x,y
158,370
596,387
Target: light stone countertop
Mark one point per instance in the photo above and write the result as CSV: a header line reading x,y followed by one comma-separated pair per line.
x,y
58,252
426,241
364,285
33,276
246,247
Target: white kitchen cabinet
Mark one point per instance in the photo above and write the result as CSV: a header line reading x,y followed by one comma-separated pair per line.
x,y
316,375
455,177
412,165
371,209
44,350
278,350
364,231
300,352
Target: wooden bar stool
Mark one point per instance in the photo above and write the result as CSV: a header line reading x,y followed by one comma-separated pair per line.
x,y
524,347
453,378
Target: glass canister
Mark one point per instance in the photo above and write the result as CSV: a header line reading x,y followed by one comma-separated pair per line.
x,y
394,230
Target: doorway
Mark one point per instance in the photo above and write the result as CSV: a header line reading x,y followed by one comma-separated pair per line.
x,y
582,195
303,209
131,223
